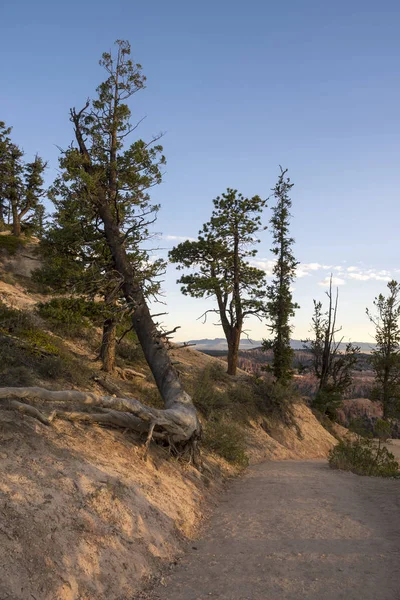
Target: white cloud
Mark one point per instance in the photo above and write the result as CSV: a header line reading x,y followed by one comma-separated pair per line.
x,y
178,238
368,275
301,272
264,264
304,269
312,266
335,281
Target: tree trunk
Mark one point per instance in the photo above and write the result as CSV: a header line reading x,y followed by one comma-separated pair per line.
x,y
386,390
16,222
108,345
2,220
178,421
179,405
177,424
233,351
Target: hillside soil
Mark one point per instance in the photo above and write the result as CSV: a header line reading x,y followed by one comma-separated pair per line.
x,y
82,515
293,530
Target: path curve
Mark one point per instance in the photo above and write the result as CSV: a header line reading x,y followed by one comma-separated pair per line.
x,y
293,530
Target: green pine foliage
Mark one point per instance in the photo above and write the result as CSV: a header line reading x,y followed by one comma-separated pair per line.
x,y
220,267
77,256
280,305
385,359
21,186
363,456
71,316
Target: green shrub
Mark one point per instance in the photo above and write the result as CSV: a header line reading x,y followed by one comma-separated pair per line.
x,y
275,400
130,352
12,320
21,324
328,402
217,372
227,440
52,367
26,350
151,396
383,429
16,376
70,316
11,244
363,456
40,340
208,400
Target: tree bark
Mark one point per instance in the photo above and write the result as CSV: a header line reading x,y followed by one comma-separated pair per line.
x,y
108,345
16,222
233,351
178,403
2,220
179,420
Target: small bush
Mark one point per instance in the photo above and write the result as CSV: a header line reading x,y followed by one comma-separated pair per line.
x,y
217,372
26,351
208,400
11,244
151,396
363,456
40,340
16,376
8,278
130,352
383,429
328,402
327,423
226,440
12,320
69,316
275,400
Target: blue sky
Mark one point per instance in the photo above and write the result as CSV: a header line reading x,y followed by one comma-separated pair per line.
x,y
238,88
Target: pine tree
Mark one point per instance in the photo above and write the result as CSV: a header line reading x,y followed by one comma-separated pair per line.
x,y
221,269
280,305
385,359
113,179
76,260
21,184
4,170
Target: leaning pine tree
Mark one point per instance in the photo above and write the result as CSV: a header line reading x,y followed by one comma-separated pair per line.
x,y
113,179
280,305
77,262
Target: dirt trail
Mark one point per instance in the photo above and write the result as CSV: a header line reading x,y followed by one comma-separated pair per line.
x,y
296,530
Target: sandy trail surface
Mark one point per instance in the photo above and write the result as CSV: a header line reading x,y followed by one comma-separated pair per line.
x,y
292,530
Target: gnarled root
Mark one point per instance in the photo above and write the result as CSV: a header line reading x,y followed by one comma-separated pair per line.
x,y
178,422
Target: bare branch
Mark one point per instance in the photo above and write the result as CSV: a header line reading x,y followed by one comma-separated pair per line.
x,y
204,315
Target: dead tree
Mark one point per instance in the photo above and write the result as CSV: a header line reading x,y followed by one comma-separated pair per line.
x,y
332,367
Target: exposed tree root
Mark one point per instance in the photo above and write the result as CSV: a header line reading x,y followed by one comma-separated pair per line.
x,y
26,409
178,423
